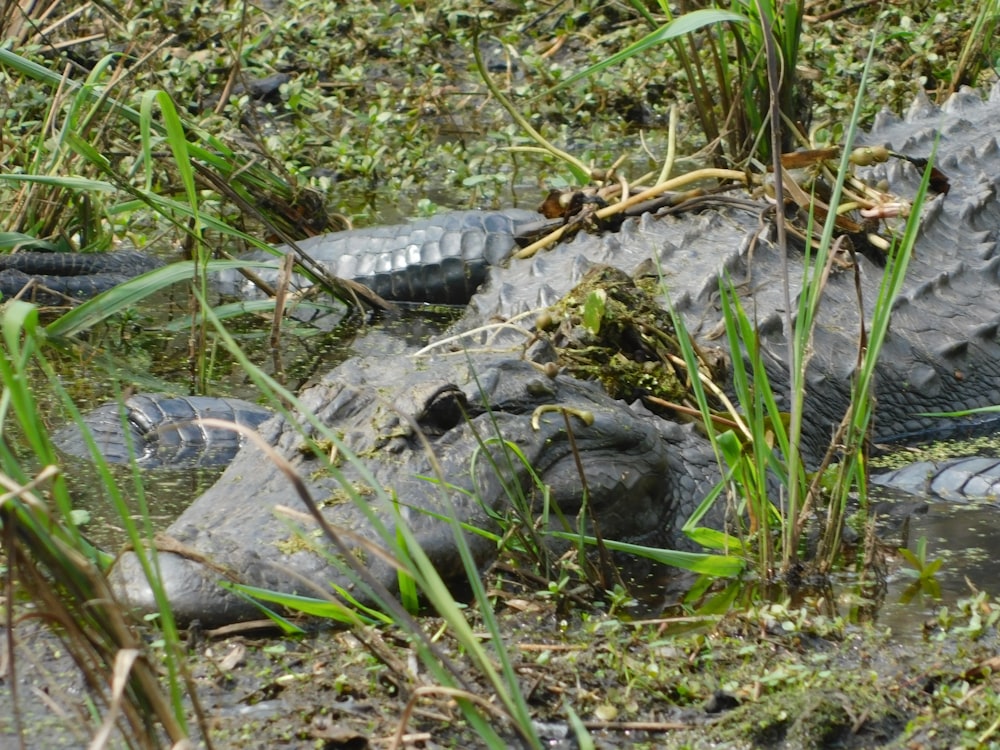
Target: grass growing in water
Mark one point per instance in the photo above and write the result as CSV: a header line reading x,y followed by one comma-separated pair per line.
x,y
765,448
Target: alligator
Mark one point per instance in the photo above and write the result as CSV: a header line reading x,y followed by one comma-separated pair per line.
x,y
155,430
441,259
965,478
431,429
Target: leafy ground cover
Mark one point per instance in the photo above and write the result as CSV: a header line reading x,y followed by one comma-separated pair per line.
x,y
770,676
383,121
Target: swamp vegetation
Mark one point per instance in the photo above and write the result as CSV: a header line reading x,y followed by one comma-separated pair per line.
x,y
207,127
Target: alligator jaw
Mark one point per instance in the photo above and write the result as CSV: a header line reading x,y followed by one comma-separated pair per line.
x,y
190,587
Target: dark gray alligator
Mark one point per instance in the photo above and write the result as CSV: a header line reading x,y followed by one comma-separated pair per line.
x,y
973,478
442,259
942,353
157,430
469,414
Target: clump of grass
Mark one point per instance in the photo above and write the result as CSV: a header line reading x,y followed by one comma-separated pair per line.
x,y
764,447
64,574
730,97
767,449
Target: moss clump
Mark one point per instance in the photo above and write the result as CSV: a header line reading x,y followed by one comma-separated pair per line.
x,y
299,543
610,330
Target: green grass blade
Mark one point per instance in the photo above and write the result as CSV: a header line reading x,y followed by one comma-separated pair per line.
x,y
724,566
128,294
12,240
63,181
676,28
307,605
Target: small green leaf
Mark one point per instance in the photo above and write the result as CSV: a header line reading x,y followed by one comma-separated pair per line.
x,y
18,317
932,567
593,310
961,412
10,240
307,605
732,449
914,570
714,539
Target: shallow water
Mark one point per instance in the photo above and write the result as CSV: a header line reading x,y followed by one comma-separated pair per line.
x,y
966,536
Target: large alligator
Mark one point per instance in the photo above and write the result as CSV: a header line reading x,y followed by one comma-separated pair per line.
x,y
642,473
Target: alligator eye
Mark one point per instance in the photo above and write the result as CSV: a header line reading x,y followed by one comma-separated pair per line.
x,y
445,409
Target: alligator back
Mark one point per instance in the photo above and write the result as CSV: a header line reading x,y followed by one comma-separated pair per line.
x,y
943,350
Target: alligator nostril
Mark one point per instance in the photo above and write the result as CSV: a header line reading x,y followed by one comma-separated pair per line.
x,y
445,408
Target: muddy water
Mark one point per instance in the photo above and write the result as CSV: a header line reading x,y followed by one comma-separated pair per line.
x,y
966,536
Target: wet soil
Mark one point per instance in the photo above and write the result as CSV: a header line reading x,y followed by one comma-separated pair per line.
x,y
768,677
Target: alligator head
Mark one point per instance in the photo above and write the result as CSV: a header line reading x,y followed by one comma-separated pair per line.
x,y
480,424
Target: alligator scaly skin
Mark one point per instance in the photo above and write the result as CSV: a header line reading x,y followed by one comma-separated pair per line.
x,y
76,275
162,430
972,478
441,259
384,414
943,349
